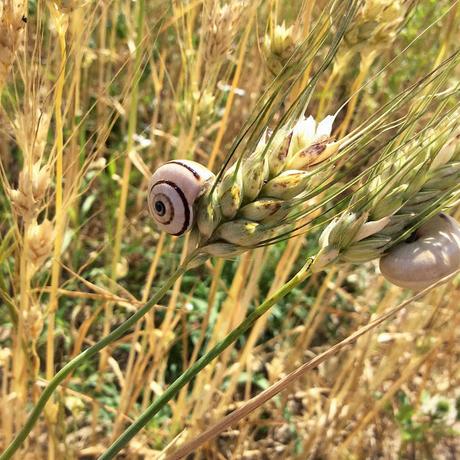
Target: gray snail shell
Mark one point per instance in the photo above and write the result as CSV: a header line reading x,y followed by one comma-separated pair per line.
x,y
173,191
433,255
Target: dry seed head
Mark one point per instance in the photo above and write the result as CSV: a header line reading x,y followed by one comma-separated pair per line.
x,y
40,238
375,25
279,46
31,131
33,184
11,31
221,27
40,181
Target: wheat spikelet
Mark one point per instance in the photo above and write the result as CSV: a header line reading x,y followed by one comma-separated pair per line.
x,y
279,46
253,196
40,238
33,322
375,26
31,128
27,199
221,25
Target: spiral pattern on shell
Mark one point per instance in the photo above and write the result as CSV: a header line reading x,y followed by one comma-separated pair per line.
x,y
173,191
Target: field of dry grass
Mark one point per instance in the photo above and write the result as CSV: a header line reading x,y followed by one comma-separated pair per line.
x,y
97,94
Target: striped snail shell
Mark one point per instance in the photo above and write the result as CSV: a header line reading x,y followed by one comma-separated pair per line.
x,y
433,255
173,190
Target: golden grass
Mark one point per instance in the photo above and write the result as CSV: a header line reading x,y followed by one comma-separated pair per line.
x,y
91,89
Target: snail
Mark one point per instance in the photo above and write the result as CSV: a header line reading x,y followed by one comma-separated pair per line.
x,y
173,191
433,255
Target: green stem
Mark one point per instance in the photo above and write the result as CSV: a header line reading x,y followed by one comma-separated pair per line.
x,y
87,354
192,371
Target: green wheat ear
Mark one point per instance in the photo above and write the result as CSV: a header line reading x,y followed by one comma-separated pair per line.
x,y
410,185
254,195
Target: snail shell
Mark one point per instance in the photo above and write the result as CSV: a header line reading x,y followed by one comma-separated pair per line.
x,y
434,255
173,190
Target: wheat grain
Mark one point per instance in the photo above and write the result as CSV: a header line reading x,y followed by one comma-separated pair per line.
x,y
40,238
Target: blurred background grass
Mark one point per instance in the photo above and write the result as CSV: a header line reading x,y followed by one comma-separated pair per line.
x,y
98,95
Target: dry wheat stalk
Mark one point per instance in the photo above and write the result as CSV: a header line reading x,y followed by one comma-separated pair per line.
x,y
12,23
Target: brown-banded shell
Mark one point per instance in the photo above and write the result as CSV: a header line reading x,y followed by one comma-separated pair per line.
x,y
433,255
173,191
